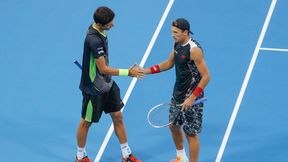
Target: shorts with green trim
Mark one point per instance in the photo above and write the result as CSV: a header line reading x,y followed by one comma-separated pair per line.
x,y
93,106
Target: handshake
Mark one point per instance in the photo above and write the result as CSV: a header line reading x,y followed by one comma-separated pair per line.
x,y
137,71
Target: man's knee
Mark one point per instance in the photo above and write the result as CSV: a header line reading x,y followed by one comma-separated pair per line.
x,y
117,117
174,128
85,124
192,136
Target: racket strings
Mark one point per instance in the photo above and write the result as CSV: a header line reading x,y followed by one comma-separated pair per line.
x,y
164,114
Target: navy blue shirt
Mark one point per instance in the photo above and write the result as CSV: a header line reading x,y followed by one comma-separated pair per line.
x,y
92,81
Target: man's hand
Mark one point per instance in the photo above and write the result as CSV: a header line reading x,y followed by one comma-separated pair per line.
x,y
188,102
136,71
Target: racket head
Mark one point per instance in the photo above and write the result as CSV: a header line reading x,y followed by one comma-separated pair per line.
x,y
158,116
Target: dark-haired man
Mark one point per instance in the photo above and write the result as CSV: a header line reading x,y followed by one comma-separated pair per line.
x,y
100,92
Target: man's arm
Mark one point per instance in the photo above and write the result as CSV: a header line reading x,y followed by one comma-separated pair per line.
x,y
197,56
104,69
199,61
163,66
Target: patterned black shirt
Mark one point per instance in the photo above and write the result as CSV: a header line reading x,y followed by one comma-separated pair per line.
x,y
187,74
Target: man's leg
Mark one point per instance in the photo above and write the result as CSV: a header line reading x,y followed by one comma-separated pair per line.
x,y
119,127
114,105
82,133
178,136
194,147
120,132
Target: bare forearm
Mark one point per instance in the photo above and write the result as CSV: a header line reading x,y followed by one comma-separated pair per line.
x,y
133,71
109,70
201,85
163,66
204,81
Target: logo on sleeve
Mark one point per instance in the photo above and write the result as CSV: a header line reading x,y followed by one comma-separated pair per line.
x,y
100,50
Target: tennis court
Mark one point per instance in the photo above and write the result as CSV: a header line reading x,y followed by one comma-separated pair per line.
x,y
245,47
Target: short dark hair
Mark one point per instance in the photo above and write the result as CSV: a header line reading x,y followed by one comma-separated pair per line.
x,y
103,15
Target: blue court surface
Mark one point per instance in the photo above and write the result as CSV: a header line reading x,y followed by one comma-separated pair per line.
x,y
245,47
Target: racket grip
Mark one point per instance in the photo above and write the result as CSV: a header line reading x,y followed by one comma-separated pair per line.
x,y
78,64
201,100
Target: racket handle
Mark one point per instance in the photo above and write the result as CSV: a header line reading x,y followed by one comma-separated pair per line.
x,y
78,64
201,100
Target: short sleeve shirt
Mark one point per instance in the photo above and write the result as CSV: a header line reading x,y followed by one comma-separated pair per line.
x,y
92,81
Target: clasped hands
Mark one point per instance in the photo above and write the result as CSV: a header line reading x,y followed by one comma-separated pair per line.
x,y
136,71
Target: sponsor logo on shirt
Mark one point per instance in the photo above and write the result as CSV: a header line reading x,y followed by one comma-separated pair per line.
x,y
100,50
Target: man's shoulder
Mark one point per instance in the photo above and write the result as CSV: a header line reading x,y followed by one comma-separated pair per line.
x,y
93,37
196,43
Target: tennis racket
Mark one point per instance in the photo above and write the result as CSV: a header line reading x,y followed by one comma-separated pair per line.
x,y
80,66
158,116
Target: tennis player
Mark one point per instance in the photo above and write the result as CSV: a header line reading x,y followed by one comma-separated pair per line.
x,y
192,76
100,92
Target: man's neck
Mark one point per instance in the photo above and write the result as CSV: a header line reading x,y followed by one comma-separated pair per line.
x,y
98,28
185,41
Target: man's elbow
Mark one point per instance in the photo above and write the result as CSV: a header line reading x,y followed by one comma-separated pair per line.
x,y
207,78
169,65
103,70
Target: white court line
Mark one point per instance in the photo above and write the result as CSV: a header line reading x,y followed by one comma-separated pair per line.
x,y
133,82
245,82
274,49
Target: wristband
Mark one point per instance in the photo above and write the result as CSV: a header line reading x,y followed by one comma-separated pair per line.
x,y
155,69
123,72
197,91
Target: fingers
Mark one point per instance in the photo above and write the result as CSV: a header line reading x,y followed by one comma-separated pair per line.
x,y
183,109
186,106
137,71
188,103
134,65
140,73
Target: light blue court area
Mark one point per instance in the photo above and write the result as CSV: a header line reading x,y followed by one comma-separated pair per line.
x,y
260,129
40,103
277,35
